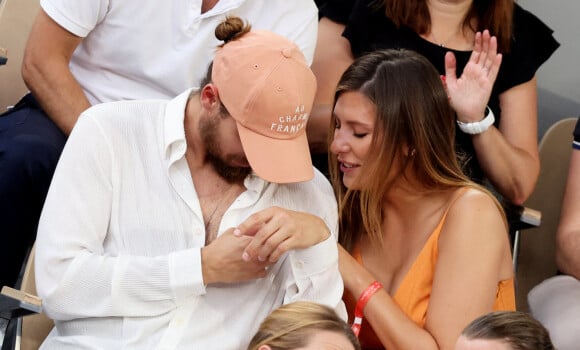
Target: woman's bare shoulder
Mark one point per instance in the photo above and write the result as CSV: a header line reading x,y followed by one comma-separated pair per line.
x,y
475,212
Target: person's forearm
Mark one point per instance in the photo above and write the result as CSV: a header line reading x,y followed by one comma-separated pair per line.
x,y
511,170
57,91
46,72
391,325
568,253
509,153
568,234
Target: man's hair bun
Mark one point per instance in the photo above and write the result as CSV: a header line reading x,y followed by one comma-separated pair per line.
x,y
231,28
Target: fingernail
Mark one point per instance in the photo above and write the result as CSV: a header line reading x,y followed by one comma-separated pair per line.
x,y
246,257
261,258
237,232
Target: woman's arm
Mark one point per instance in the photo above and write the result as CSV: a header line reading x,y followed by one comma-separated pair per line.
x,y
473,256
568,234
509,154
331,58
393,327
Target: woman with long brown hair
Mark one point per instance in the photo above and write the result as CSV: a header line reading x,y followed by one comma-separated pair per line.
x,y
425,249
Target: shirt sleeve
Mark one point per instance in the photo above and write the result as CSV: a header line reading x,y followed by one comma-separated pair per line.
x,y
74,276
532,45
337,10
77,16
316,276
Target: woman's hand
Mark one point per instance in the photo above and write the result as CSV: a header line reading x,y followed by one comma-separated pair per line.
x,y
470,93
276,230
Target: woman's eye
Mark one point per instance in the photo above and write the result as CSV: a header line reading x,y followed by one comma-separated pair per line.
x,y
360,135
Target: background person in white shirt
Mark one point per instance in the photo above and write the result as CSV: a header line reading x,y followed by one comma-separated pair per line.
x,y
141,241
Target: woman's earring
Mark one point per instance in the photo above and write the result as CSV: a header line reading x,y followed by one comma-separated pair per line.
x,y
413,152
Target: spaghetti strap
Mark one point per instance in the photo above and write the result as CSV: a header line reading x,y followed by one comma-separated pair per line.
x,y
458,193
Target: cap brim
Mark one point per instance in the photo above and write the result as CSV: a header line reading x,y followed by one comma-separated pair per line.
x,y
277,160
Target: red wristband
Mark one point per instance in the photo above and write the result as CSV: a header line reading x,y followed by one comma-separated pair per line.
x,y
361,303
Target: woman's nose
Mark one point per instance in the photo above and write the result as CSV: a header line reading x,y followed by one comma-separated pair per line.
x,y
339,143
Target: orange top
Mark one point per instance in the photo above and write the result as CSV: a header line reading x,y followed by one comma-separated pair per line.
x,y
414,292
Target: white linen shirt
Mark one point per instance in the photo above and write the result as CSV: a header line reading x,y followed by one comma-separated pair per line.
x,y
118,260
136,49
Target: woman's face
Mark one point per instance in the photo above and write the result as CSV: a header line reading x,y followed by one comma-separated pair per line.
x,y
355,122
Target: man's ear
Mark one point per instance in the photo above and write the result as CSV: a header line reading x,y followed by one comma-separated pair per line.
x,y
264,347
209,97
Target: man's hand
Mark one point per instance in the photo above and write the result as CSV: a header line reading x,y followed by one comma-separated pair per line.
x,y
276,230
221,260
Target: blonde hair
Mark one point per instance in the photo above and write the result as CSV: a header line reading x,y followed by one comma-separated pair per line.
x,y
292,325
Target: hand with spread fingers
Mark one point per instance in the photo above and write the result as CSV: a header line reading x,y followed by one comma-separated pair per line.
x,y
222,260
275,231
469,93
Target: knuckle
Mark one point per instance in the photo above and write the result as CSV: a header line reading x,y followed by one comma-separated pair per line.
x,y
253,219
251,250
281,249
268,245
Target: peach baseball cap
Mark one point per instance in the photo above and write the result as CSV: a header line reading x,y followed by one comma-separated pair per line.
x,y
267,86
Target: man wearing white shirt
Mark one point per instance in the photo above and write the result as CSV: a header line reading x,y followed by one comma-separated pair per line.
x,y
83,52
164,225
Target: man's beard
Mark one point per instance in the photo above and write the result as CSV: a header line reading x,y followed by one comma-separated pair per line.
x,y
211,141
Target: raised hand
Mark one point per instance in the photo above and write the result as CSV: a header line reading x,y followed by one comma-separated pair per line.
x,y
469,94
221,260
275,230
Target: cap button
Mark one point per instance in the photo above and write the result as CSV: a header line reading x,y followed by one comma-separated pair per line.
x,y
287,52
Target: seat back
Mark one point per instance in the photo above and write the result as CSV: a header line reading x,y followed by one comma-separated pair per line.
x,y
34,328
537,256
16,18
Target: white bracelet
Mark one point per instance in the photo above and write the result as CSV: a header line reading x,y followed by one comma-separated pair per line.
x,y
480,126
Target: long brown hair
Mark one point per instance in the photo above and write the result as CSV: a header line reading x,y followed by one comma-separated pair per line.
x,y
414,127
495,15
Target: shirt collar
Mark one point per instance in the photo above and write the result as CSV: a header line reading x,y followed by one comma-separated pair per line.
x,y
254,183
174,129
